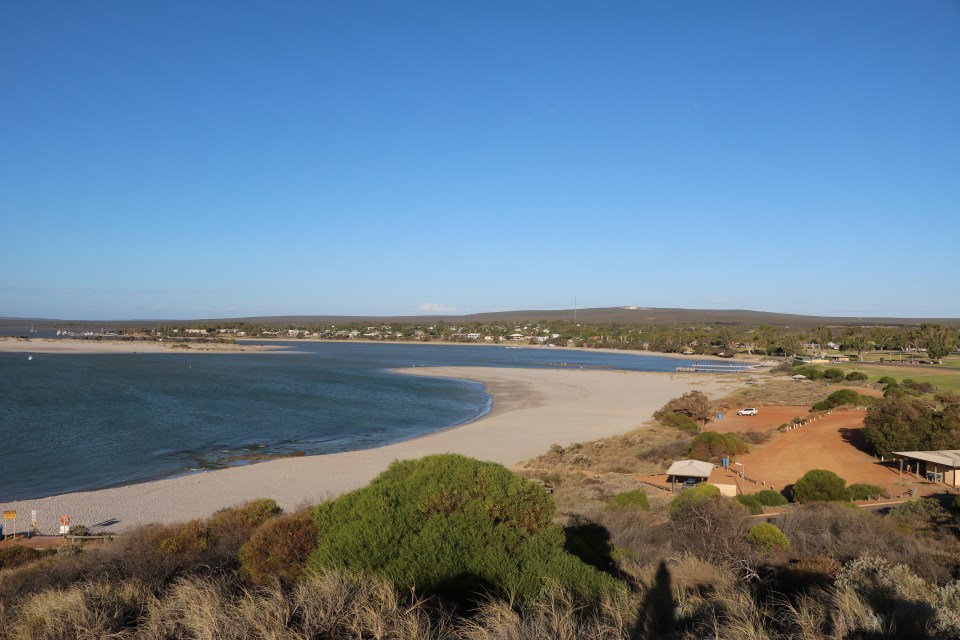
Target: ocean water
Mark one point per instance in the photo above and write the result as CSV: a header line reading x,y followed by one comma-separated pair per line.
x,y
79,422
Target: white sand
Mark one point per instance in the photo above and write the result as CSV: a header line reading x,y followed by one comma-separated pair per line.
x,y
63,346
532,409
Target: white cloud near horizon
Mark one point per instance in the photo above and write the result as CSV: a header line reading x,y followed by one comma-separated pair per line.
x,y
435,307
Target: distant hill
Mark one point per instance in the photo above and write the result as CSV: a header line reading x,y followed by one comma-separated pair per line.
x,y
597,316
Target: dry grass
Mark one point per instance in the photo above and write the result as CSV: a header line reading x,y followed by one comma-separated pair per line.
x,y
781,392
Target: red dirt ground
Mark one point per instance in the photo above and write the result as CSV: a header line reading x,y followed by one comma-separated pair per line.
x,y
833,442
767,418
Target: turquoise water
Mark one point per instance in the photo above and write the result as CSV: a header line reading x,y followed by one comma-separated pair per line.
x,y
78,422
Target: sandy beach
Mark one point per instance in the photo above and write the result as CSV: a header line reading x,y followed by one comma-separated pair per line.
x,y
66,346
532,409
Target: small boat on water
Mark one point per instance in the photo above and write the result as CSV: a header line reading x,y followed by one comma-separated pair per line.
x,y
30,357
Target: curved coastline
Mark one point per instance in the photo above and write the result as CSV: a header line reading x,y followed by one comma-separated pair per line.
x,y
532,409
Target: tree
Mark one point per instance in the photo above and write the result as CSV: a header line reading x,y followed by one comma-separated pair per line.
x,y
820,485
790,344
694,404
881,337
857,340
938,340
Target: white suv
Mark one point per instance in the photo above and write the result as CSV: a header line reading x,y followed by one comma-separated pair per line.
x,y
751,411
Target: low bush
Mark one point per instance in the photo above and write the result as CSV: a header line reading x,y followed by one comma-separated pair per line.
x,y
834,374
842,397
887,380
813,373
767,537
280,548
861,491
453,525
751,503
701,493
857,375
771,498
679,421
956,502
712,446
17,556
820,485
635,499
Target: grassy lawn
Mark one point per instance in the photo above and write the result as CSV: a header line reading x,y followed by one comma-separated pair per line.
x,y
947,378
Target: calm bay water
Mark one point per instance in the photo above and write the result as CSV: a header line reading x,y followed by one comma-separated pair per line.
x,y
78,422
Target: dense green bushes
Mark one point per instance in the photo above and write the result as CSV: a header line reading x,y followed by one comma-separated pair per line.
x,y
452,525
679,421
861,491
854,376
906,424
771,498
820,485
751,503
767,537
711,446
691,497
842,397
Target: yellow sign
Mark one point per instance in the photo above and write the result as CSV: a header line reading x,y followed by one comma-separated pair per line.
x,y
9,515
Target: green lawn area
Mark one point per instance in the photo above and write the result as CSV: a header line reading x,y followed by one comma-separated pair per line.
x,y
947,378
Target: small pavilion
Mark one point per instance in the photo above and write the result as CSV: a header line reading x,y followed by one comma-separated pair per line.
x,y
942,467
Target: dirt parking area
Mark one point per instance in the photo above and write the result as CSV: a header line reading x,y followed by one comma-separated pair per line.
x,y
833,442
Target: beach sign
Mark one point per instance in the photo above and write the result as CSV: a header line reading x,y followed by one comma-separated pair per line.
x,y
64,524
9,515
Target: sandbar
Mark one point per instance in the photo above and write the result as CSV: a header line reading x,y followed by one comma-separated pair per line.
x,y
532,409
66,346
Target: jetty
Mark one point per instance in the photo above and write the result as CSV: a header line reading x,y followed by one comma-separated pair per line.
x,y
716,367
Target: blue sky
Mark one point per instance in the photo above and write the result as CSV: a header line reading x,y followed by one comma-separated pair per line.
x,y
216,159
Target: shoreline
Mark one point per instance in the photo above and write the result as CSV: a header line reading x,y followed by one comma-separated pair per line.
x,y
9,344
73,346
531,410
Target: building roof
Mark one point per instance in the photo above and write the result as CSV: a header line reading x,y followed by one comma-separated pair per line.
x,y
950,458
690,469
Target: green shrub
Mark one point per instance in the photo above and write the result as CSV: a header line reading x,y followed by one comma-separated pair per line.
x,y
751,503
812,373
703,492
679,421
16,556
453,525
767,537
834,374
887,380
860,491
820,485
924,510
280,548
712,446
841,397
956,502
857,375
635,499
771,498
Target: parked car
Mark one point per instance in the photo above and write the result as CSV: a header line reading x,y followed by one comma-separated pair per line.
x,y
749,411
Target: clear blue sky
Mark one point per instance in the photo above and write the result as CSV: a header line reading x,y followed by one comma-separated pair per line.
x,y
213,159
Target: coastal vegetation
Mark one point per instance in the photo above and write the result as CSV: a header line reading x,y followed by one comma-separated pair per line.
x,y
680,570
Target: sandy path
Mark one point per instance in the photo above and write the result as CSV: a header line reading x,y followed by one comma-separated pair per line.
x,y
532,409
